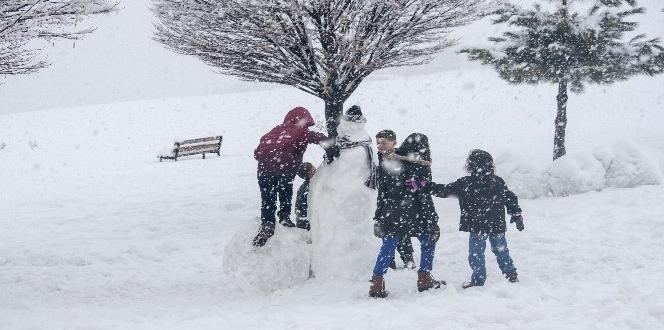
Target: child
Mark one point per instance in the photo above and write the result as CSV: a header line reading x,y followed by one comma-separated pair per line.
x,y
279,155
483,197
405,212
305,172
386,141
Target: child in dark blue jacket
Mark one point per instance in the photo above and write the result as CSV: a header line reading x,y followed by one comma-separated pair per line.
x,y
483,198
305,172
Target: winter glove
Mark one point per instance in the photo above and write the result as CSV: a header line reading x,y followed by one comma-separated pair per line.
x,y
332,153
378,230
518,219
415,185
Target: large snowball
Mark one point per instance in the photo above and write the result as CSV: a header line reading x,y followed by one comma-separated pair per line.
x,y
282,263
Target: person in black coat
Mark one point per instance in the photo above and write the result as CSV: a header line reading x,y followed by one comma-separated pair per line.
x,y
305,172
404,210
388,174
483,198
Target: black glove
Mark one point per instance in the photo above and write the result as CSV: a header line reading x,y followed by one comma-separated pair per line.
x,y
434,232
518,219
378,230
332,153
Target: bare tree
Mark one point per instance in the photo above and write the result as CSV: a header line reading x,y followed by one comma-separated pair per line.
x,y
24,22
322,47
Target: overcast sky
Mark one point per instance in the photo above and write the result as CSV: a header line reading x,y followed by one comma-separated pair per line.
x,y
120,62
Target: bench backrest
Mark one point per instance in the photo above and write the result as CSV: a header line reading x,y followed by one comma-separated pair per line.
x,y
198,146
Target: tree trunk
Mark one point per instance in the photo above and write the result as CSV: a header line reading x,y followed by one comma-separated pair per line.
x,y
561,121
333,111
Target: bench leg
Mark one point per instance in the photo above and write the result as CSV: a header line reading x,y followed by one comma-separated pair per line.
x,y
203,156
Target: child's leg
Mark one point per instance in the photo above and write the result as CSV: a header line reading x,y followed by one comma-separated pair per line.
x,y
427,249
285,191
385,255
405,248
476,247
499,248
268,186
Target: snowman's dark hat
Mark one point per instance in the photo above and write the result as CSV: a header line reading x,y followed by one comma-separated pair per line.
x,y
354,114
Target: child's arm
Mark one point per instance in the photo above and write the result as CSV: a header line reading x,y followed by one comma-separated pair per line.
x,y
445,190
511,201
512,205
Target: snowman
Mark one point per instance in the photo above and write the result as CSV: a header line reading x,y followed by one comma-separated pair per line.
x,y
341,206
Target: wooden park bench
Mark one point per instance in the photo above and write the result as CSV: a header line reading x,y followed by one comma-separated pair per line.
x,y
208,145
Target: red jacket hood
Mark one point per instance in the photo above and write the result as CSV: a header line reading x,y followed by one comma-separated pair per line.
x,y
299,117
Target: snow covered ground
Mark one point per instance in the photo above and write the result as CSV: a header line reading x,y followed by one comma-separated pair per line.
x,y
97,234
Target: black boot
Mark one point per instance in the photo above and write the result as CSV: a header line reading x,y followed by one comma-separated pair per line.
x,y
284,220
303,224
466,285
264,233
512,277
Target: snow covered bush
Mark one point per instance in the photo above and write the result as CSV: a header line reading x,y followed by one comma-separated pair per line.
x,y
622,165
630,166
524,178
574,175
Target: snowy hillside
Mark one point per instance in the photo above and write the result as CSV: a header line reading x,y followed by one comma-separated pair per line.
x,y
96,233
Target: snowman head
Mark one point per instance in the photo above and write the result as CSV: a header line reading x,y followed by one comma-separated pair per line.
x,y
354,114
352,124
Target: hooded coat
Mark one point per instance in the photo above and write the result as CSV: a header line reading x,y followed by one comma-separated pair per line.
x,y
483,200
280,151
401,212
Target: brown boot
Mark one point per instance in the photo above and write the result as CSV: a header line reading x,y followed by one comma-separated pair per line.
x,y
377,289
425,282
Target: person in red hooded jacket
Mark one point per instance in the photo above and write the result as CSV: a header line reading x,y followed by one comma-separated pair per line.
x,y
279,155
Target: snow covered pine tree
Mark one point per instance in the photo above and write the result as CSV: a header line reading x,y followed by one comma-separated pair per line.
x,y
23,22
322,47
578,42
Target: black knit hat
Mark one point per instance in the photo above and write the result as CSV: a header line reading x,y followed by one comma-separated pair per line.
x,y
387,134
354,114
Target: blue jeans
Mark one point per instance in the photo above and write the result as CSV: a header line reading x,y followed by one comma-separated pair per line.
x,y
386,254
477,245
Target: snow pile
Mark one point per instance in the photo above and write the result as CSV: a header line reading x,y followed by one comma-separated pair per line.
x,y
341,211
282,263
629,166
621,166
523,176
574,175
